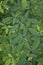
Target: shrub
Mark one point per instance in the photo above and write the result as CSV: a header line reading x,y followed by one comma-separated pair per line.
x,y
21,32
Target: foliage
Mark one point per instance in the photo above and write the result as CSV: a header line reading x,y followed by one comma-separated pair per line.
x,y
21,32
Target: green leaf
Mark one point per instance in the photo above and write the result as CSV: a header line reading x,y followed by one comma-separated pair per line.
x,y
34,21
18,48
29,63
13,28
40,60
27,45
33,55
5,2
21,61
24,3
1,9
7,20
25,17
3,39
36,43
33,31
17,40
8,61
15,20
12,1
28,23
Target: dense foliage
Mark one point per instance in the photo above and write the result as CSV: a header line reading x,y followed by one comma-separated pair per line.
x,y
21,32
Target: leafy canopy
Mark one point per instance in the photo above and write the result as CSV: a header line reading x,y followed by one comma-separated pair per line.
x,y
21,32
